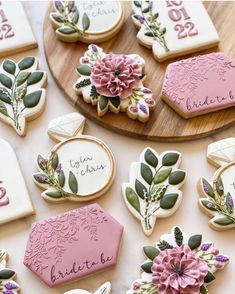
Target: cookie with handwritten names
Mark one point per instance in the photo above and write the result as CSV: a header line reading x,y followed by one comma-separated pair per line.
x,y
200,84
15,201
153,190
79,168
7,276
104,289
16,34
173,28
73,245
22,92
86,21
114,82
179,263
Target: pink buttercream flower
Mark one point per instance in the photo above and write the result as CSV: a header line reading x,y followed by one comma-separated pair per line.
x,y
136,286
178,271
116,75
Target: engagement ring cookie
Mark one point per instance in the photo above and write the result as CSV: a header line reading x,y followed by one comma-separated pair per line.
x,y
153,188
15,202
173,28
7,276
179,264
87,21
114,82
79,168
104,289
218,195
200,84
22,93
15,31
73,245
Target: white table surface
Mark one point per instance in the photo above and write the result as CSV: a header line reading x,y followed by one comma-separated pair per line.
x,y
13,236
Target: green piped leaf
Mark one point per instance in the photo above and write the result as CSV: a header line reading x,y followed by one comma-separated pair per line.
x,y
176,177
84,70
132,198
6,274
151,252
85,22
5,96
61,179
137,3
75,17
220,186
26,63
40,178
9,66
5,81
162,175
57,17
22,77
178,236
168,201
73,184
208,204
140,189
151,158
203,290
170,158
115,101
195,241
163,245
207,188
3,109
146,173
54,194
34,78
103,102
146,267
31,100
209,278
223,220
55,161
66,30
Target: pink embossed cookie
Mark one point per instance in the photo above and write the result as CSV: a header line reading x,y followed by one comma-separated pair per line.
x,y
200,84
73,245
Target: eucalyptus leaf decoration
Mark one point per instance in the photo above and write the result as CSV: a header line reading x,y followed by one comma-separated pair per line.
x,y
66,19
58,184
21,93
153,188
137,105
217,202
148,20
7,283
205,251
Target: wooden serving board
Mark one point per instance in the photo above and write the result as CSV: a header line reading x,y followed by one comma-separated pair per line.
x,y
164,124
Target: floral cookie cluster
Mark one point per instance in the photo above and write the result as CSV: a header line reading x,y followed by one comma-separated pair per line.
x,y
114,82
179,264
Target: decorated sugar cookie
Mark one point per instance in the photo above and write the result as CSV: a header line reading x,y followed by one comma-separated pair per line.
x,y
179,264
7,276
153,188
73,245
114,82
218,195
15,202
173,28
22,93
86,21
104,289
15,31
189,85
79,168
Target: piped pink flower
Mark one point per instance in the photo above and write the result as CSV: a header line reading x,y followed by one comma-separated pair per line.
x,y
116,75
178,271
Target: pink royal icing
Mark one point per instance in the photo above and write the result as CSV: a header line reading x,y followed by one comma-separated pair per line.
x,y
200,84
73,245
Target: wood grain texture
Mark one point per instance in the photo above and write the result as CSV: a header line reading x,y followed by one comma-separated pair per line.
x,y
164,124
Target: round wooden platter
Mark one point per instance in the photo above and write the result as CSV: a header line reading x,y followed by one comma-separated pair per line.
x,y
164,124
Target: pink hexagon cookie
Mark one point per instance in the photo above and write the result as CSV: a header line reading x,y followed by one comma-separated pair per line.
x,y
73,245
200,84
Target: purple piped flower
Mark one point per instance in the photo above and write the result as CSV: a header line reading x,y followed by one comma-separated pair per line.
x,y
58,4
205,246
150,5
139,18
229,201
205,188
149,101
8,292
134,108
147,91
222,258
59,168
94,48
143,108
42,178
10,286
